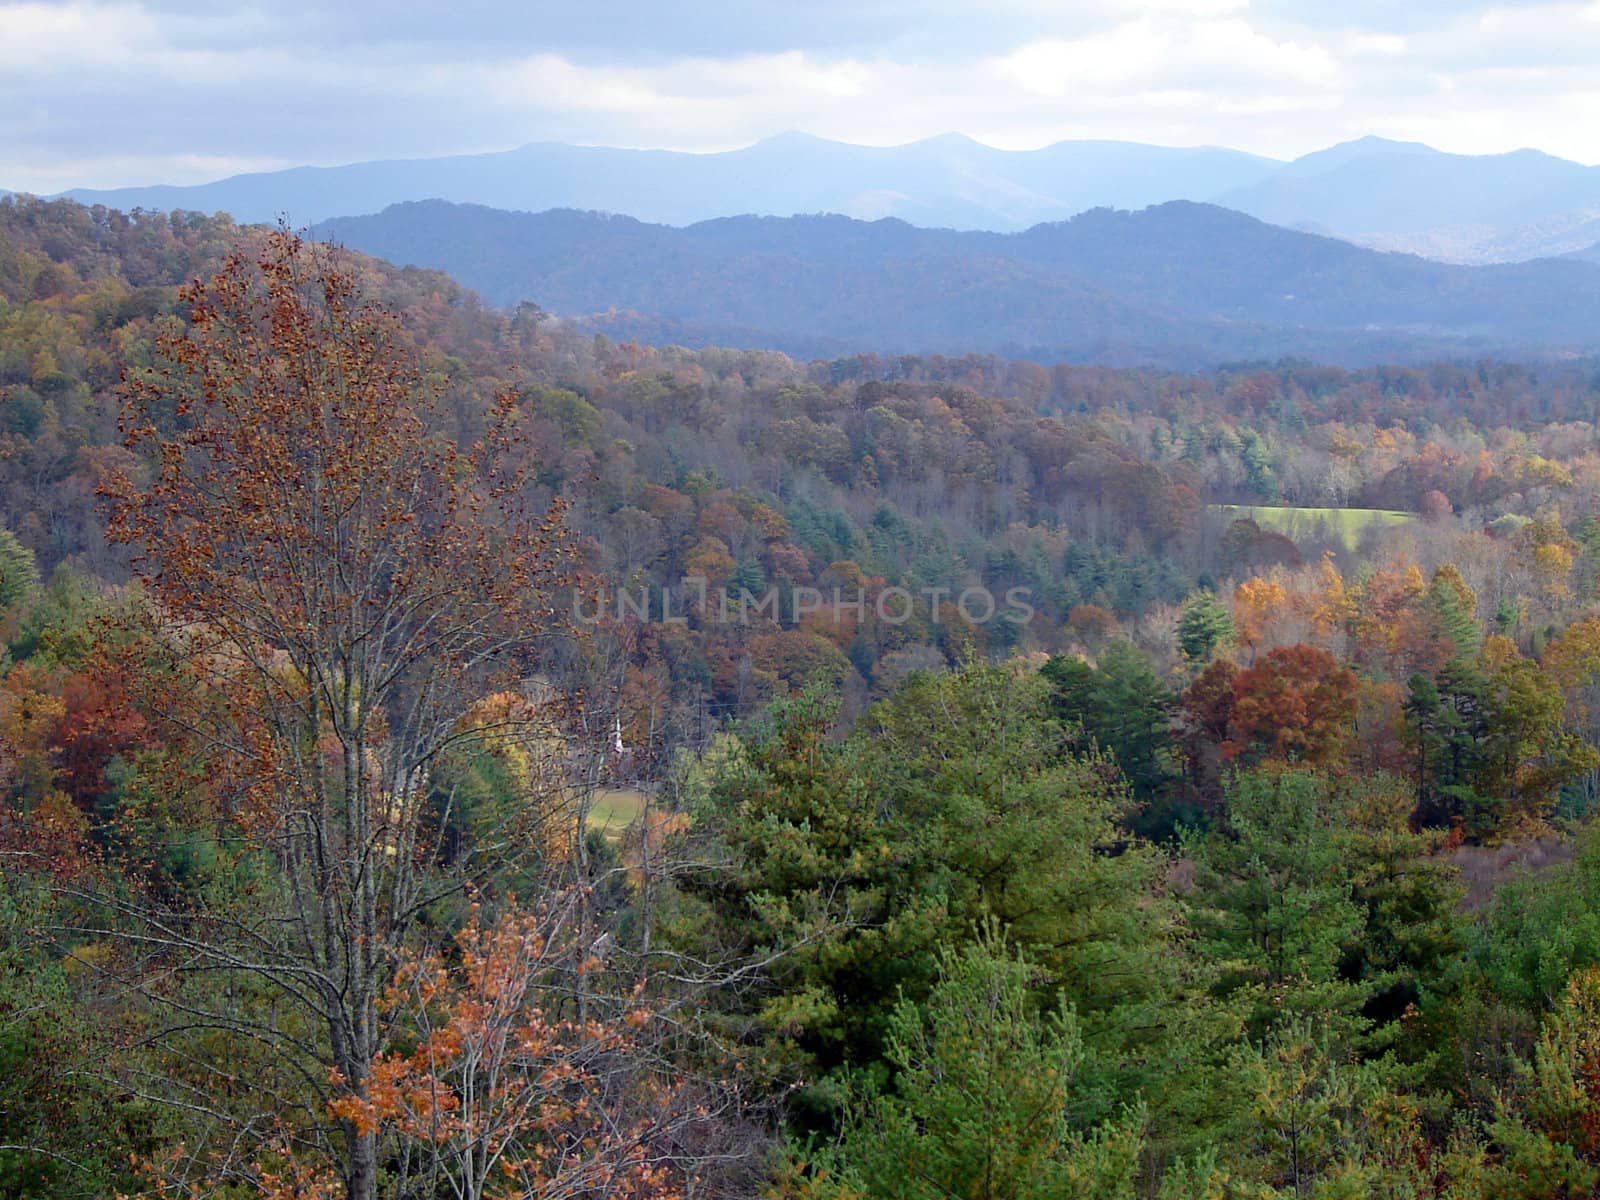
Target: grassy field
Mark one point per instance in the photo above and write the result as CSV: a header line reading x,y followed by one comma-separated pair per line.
x,y
615,809
1346,525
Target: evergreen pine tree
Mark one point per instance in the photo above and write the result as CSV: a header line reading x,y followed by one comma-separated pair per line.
x,y
1205,626
19,572
983,1106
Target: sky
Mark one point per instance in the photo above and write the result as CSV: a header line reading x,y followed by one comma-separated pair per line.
x,y
102,93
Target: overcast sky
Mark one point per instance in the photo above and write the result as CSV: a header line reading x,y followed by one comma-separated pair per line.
x,y
107,93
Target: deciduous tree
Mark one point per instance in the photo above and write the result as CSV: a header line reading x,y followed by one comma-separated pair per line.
x,y
331,589
1297,704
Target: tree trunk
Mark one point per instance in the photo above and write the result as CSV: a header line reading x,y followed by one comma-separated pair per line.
x,y
362,1181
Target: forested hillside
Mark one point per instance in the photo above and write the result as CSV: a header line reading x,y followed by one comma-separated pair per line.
x,y
1179,284
447,753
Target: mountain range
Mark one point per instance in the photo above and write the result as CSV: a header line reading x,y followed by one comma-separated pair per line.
x,y
1384,194
944,181
1178,284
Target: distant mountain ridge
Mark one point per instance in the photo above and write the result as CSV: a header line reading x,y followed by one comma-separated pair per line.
x,y
942,181
1180,284
1372,191
1410,197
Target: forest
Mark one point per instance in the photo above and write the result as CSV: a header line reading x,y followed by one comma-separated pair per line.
x,y
1179,284
354,848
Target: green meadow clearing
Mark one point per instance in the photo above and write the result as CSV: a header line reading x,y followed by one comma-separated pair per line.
x,y
1346,525
614,809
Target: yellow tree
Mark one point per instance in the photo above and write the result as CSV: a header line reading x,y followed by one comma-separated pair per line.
x,y
1257,604
1333,609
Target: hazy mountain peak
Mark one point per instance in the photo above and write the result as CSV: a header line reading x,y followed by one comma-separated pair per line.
x,y
950,141
793,137
1405,194
1527,154
1358,148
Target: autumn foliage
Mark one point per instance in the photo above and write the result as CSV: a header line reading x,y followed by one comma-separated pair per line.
x,y
287,724
508,1098
1297,704
332,591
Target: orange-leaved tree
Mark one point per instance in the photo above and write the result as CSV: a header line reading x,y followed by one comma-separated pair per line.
x,y
498,1094
1297,704
332,587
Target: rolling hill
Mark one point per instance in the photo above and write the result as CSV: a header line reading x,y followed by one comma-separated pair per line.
x,y
1177,284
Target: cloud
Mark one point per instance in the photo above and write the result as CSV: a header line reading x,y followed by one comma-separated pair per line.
x,y
1219,53
44,38
118,91
1376,43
